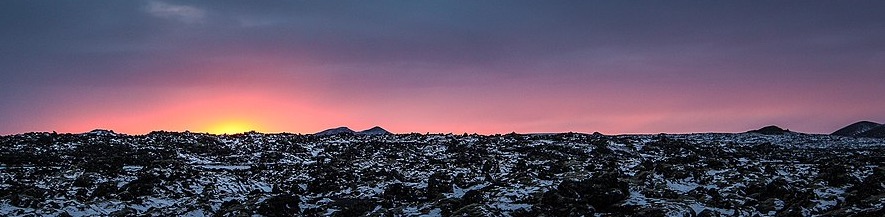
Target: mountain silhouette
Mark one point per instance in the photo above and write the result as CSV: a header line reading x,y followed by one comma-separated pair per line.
x,y
335,131
856,129
345,130
877,132
374,131
770,130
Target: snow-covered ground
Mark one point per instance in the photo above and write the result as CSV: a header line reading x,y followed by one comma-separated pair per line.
x,y
191,174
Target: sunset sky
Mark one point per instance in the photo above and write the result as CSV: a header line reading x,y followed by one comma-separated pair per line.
x,y
440,66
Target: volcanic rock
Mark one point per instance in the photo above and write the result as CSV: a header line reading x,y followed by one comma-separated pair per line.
x,y
198,174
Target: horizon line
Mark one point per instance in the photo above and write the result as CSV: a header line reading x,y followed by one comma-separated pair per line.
x,y
394,133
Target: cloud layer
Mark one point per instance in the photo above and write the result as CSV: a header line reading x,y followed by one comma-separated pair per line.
x,y
183,13
441,66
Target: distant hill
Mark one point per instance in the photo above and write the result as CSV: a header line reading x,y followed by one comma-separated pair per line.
x,y
856,129
102,132
877,132
770,130
344,130
335,131
374,131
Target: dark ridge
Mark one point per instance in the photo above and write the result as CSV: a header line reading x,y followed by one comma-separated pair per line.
x,y
856,129
102,132
374,131
335,131
877,132
770,130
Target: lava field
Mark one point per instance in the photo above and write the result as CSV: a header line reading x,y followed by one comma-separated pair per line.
x,y
102,173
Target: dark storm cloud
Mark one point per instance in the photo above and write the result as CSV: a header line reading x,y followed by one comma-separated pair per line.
x,y
51,42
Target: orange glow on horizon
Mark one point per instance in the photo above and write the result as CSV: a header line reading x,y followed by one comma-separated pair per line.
x,y
301,108
231,127
214,110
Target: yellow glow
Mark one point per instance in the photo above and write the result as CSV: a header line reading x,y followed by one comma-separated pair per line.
x,y
231,127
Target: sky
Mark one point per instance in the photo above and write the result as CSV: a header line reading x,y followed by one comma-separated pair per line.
x,y
614,67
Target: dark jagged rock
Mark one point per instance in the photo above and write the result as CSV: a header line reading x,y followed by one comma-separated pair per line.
x,y
856,129
232,208
565,174
836,175
127,211
709,213
770,130
280,205
437,184
585,197
353,207
400,192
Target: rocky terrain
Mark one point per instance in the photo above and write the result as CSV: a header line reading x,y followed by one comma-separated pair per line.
x,y
346,174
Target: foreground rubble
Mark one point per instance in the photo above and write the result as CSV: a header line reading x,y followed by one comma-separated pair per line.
x,y
167,173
